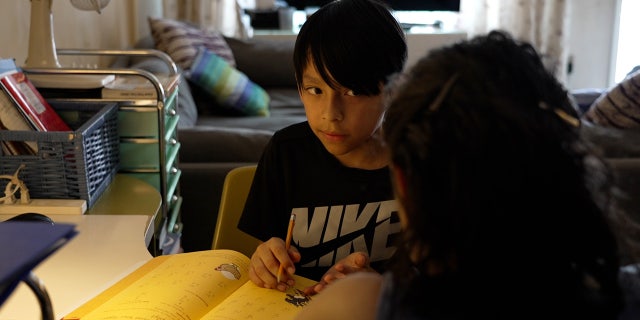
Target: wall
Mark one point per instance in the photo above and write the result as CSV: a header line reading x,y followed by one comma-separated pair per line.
x,y
592,43
74,28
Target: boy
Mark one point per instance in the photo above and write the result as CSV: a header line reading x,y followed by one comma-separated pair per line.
x,y
332,170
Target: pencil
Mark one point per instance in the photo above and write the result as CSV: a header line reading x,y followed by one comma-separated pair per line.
x,y
287,242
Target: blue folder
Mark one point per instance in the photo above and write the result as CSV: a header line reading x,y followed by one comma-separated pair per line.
x,y
23,245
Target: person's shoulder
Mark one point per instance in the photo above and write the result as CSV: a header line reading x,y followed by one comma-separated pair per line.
x,y
371,280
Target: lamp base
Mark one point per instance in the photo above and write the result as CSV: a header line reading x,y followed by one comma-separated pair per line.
x,y
70,81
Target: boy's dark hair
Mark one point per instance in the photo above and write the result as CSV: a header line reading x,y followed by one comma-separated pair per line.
x,y
354,43
502,192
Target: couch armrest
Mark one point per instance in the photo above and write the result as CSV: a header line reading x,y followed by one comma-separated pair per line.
x,y
212,144
585,97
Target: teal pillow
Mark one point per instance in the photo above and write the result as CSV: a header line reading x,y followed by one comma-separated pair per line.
x,y
229,87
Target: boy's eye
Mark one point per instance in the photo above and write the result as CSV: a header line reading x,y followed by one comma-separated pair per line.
x,y
313,90
351,93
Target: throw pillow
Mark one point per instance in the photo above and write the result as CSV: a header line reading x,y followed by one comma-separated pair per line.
x,y
229,87
620,106
181,41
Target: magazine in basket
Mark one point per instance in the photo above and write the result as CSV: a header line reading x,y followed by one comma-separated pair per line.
x,y
28,99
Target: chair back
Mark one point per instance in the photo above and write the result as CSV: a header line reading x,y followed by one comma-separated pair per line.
x,y
234,194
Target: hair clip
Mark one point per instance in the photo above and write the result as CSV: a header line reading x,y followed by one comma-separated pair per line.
x,y
435,105
571,120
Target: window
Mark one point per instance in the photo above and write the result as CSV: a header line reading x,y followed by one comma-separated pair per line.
x,y
628,46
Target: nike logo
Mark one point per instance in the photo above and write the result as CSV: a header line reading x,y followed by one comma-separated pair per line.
x,y
313,253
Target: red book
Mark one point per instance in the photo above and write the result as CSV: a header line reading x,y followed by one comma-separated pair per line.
x,y
28,99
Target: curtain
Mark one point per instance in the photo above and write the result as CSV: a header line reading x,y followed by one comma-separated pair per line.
x,y
543,23
222,15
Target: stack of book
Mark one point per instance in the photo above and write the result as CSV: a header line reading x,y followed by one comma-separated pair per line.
x,y
137,87
121,88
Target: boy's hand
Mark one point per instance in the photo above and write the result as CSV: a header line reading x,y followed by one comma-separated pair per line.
x,y
266,261
355,262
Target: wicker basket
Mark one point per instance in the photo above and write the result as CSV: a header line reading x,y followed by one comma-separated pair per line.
x,y
69,165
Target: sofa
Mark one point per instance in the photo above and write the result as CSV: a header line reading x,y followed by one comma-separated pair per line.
x,y
219,143
214,140
619,146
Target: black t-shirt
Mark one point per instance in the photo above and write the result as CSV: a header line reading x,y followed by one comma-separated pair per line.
x,y
339,210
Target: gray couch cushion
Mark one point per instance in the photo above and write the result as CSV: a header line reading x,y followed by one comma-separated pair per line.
x,y
270,124
285,100
214,144
267,62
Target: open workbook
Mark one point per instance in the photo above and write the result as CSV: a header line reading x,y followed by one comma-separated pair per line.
x,y
211,284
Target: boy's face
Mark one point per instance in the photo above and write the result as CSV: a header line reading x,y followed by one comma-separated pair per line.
x,y
345,123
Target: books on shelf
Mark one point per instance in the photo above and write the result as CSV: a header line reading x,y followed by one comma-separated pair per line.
x,y
210,284
12,119
138,87
28,100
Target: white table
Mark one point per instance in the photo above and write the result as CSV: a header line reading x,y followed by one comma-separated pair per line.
x,y
107,248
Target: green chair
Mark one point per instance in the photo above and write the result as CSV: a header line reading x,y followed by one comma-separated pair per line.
x,y
234,193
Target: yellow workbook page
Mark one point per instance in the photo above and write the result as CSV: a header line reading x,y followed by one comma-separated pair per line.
x,y
182,286
253,302
211,284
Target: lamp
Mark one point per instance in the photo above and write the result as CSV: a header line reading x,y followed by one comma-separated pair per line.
x,y
42,47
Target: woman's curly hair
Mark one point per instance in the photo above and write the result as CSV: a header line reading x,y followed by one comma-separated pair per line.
x,y
497,173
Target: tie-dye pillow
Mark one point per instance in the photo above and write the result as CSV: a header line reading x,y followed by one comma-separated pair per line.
x,y
229,87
